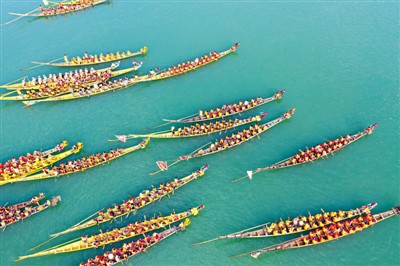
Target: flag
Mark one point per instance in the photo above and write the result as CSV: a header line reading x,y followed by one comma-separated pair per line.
x,y
45,2
162,165
121,138
250,174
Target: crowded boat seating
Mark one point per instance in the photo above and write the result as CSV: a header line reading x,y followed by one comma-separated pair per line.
x,y
71,78
304,223
90,89
196,129
204,128
128,250
227,142
90,82
133,204
21,211
242,136
54,89
83,163
229,109
118,234
185,67
297,225
87,59
314,153
322,150
114,85
65,7
329,232
33,165
29,163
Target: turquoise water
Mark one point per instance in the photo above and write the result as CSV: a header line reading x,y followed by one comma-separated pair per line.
x,y
338,62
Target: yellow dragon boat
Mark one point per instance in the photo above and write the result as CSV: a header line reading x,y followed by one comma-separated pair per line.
x,y
297,225
67,7
128,250
80,165
120,85
333,232
226,143
132,205
195,131
118,234
40,164
18,95
96,59
30,85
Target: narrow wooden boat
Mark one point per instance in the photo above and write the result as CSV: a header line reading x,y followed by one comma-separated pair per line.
x,y
28,210
18,95
81,165
39,164
186,67
228,110
318,152
228,142
74,8
196,130
128,82
128,250
96,59
117,234
34,85
22,205
333,232
297,225
132,205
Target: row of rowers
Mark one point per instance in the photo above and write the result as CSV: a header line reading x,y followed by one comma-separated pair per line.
x,y
82,89
9,215
236,138
83,163
14,168
320,150
65,7
302,223
86,58
127,250
101,87
337,230
137,228
70,78
133,203
230,109
198,129
183,67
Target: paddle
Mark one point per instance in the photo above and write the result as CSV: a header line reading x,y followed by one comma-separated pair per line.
x,y
11,83
20,16
40,65
169,122
77,224
211,240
